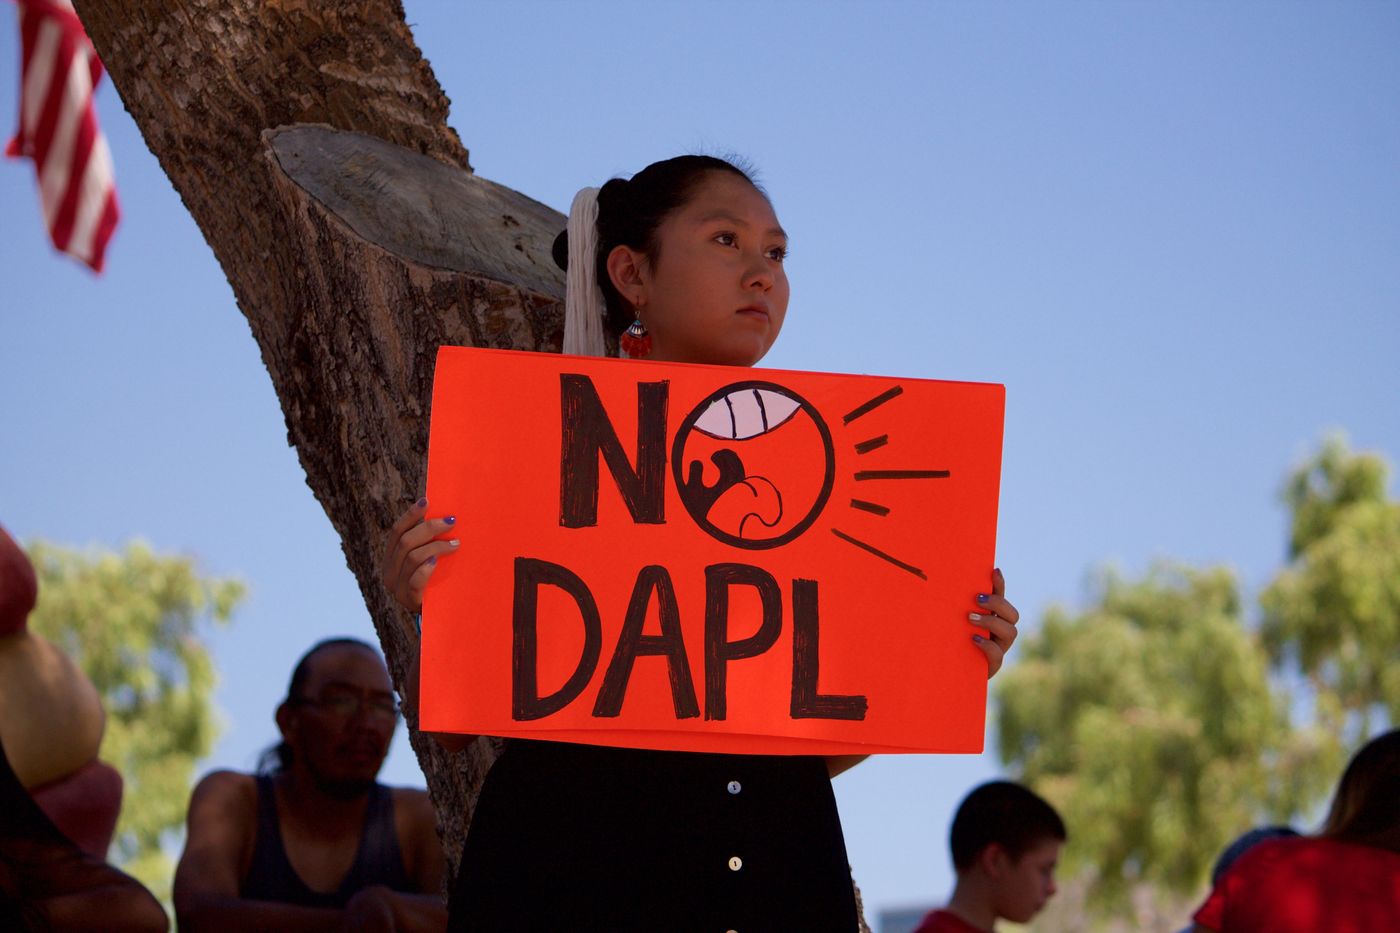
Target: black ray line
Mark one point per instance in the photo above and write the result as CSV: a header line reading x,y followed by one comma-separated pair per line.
x,y
902,474
871,507
874,403
880,554
865,447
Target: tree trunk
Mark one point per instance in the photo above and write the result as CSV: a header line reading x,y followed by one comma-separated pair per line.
x,y
309,142
317,233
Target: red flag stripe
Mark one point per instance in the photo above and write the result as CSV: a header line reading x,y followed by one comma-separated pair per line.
x,y
28,28
38,85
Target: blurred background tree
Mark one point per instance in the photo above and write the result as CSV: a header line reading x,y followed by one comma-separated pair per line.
x,y
1164,724
135,622
1333,614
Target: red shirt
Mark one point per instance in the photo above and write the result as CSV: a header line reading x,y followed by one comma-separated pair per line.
x,y
1288,885
941,921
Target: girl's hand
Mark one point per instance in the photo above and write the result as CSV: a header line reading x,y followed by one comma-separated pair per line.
x,y
999,618
410,557
411,553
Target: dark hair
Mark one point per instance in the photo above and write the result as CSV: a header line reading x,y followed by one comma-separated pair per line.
x,y
1366,807
630,211
278,757
1005,813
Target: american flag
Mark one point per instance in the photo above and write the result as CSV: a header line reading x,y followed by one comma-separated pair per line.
x,y
58,130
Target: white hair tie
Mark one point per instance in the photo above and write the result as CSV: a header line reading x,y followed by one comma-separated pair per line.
x,y
584,305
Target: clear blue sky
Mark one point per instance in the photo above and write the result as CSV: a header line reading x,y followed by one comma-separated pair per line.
x,y
1170,229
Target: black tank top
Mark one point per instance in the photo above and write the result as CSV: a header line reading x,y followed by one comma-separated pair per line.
x,y
378,860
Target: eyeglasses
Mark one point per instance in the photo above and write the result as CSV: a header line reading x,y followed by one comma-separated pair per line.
x,y
345,705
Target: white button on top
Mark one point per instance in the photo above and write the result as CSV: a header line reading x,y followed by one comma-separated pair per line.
x,y
735,863
734,788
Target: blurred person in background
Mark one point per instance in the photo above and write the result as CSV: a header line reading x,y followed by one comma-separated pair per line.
x,y
314,842
1346,879
1005,843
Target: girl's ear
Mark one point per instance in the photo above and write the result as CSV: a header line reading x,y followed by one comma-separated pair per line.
x,y
627,269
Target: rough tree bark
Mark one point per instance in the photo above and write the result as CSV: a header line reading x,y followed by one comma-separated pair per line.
x,y
309,142
347,327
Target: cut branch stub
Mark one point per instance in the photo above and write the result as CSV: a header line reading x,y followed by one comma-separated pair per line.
x,y
422,210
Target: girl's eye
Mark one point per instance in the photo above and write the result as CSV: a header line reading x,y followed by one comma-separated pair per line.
x,y
775,253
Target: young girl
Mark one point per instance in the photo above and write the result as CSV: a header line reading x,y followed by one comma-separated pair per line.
x,y
687,256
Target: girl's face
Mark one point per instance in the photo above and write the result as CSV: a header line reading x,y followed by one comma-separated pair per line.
x,y
715,290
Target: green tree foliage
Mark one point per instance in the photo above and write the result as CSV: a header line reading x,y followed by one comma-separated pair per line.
x,y
1151,721
134,622
1164,725
1334,612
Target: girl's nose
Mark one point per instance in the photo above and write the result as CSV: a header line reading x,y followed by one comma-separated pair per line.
x,y
758,274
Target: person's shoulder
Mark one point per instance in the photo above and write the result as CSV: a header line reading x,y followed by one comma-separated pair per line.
x,y
1341,855
1301,860
944,921
415,820
226,779
1285,878
223,811
1264,855
414,803
226,788
409,796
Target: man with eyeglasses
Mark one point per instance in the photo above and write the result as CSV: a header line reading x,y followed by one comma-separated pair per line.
x,y
314,842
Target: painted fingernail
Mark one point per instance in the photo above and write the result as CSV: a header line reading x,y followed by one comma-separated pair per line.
x,y
996,570
422,503
978,638
433,559
981,597
453,543
450,520
974,617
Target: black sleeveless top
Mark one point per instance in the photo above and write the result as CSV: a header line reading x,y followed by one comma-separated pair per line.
x,y
378,860
577,837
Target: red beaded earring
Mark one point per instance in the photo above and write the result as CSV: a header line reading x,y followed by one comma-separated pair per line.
x,y
635,341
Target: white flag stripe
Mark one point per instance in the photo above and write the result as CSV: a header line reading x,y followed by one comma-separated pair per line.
x,y
92,199
56,172
41,65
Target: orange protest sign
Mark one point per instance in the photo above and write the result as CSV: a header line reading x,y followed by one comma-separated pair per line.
x,y
707,558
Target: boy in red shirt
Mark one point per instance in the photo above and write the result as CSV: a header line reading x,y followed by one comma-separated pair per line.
x,y
1006,841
